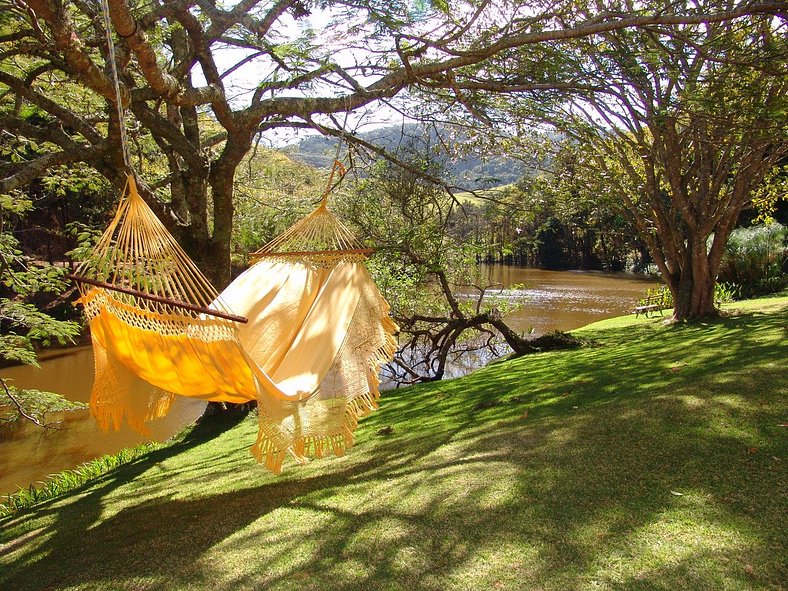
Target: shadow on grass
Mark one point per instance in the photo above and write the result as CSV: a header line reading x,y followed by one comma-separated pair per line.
x,y
633,469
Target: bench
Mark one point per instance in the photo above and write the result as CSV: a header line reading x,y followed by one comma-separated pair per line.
x,y
651,303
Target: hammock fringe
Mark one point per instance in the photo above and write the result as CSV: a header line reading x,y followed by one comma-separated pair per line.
x,y
317,335
266,450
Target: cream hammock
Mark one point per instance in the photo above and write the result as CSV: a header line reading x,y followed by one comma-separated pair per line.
x,y
303,331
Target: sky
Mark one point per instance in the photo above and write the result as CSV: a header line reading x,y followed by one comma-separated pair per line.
x,y
242,82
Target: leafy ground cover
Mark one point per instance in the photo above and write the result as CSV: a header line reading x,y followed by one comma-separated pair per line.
x,y
655,459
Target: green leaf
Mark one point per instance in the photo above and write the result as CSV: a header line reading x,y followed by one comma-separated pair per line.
x,y
36,404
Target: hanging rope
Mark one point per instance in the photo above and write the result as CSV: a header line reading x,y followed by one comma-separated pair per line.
x,y
336,166
113,67
320,236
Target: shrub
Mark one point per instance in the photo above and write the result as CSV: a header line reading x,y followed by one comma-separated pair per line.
x,y
754,259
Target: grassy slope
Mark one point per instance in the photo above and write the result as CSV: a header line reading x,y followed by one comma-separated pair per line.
x,y
652,461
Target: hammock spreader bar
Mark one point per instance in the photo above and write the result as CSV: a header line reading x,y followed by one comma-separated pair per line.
x,y
158,299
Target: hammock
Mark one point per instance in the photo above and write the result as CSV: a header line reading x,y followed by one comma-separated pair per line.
x,y
308,347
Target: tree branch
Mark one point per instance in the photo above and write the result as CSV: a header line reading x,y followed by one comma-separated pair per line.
x,y
35,168
21,410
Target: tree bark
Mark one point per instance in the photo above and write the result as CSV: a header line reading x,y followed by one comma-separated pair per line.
x,y
693,290
216,258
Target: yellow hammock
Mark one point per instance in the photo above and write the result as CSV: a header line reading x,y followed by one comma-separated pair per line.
x,y
308,348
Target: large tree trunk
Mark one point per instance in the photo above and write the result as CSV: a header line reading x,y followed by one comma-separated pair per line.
x,y
692,286
190,194
693,296
217,265
214,258
197,196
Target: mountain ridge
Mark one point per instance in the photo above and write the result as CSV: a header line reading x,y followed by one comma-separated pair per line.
x,y
471,171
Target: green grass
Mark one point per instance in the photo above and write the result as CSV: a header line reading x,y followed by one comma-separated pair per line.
x,y
68,480
654,460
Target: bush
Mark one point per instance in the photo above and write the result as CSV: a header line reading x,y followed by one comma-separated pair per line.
x,y
723,293
754,259
23,327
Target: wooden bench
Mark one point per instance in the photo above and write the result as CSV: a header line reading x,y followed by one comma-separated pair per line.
x,y
651,303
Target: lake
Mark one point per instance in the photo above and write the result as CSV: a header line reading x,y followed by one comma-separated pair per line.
x,y
564,300
546,300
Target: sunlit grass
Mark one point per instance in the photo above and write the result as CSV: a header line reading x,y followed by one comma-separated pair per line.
x,y
480,196
68,480
654,459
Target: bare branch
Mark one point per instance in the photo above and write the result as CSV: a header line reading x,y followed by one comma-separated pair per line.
x,y
51,107
53,134
72,47
21,410
356,140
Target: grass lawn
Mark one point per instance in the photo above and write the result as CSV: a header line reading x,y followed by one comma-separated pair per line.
x,y
656,459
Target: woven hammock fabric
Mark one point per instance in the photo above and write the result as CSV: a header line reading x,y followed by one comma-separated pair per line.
x,y
317,332
319,233
320,333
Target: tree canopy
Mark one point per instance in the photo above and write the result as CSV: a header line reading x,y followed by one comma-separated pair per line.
x,y
176,60
682,123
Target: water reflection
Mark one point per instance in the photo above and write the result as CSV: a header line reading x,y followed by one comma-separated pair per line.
x,y
29,453
542,302
564,300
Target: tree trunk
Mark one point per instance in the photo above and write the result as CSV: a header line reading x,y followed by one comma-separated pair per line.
x,y
210,250
190,193
693,289
217,258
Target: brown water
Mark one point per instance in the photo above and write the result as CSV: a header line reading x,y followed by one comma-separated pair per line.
x,y
564,300
544,301
548,300
29,453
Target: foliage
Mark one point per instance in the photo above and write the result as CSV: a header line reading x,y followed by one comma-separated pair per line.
x,y
85,238
407,220
465,164
682,125
24,325
559,215
425,265
651,461
724,293
272,191
754,259
768,195
200,81
35,404
599,233
60,197
564,217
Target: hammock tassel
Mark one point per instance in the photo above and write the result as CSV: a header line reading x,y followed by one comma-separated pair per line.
x,y
302,334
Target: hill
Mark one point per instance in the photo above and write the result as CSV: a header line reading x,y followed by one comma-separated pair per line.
x,y
470,171
654,460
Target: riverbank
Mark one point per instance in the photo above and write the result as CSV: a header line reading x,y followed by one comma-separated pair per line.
x,y
543,301
655,459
